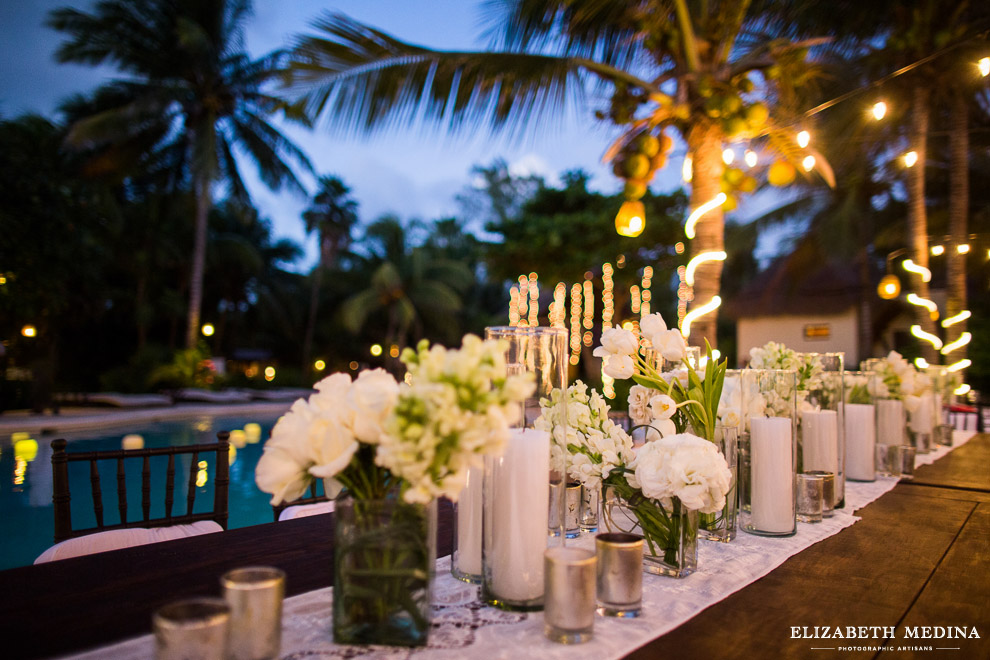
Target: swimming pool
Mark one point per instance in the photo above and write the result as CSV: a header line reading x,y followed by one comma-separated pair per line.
x,y
26,513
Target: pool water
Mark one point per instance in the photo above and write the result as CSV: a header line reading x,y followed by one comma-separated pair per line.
x,y
26,512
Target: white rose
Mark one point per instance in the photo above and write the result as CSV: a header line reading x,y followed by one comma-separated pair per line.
x,y
639,401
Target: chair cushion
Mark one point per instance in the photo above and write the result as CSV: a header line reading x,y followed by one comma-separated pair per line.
x,y
303,510
116,539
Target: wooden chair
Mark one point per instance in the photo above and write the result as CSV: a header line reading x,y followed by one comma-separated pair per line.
x,y
61,496
312,498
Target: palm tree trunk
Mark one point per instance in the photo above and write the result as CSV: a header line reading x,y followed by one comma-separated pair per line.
x,y
917,216
958,217
203,203
705,146
314,303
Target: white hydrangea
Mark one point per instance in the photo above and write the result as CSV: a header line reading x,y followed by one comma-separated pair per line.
x,y
683,466
593,444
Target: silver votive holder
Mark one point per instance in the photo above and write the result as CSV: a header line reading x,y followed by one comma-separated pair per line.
x,y
255,596
943,435
192,629
591,503
569,594
902,456
885,460
810,497
619,574
828,491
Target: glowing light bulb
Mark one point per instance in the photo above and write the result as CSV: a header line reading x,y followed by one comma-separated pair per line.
x,y
879,110
808,163
962,248
208,329
938,250
911,267
751,158
376,349
728,156
964,339
630,220
958,318
927,336
29,331
319,365
692,220
984,66
962,389
697,312
959,366
698,260
687,169
803,139
921,363
910,158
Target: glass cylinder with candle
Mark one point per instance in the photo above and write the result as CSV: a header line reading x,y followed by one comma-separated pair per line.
x,y
516,490
465,562
821,430
860,424
772,453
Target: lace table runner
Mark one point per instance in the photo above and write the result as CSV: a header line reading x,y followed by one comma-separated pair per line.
x,y
462,627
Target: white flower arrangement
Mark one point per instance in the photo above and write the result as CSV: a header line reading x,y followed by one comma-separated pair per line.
x,y
594,445
652,409
683,466
372,434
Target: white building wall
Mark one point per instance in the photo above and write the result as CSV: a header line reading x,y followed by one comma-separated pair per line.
x,y
789,330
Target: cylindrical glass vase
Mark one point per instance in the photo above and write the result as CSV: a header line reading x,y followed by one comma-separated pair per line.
x,y
859,418
465,562
771,490
384,563
721,525
821,429
670,533
516,491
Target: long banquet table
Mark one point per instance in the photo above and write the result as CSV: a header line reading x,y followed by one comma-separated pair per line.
x,y
920,556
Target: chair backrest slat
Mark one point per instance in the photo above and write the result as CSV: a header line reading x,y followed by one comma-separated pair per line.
x,y
146,488
61,497
169,486
121,490
191,491
94,482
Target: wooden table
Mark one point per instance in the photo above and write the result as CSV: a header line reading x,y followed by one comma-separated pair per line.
x,y
919,557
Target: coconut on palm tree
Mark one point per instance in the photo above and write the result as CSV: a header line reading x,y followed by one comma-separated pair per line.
x,y
187,102
702,70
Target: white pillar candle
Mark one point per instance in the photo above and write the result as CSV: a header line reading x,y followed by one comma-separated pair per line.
x,y
469,524
921,419
820,441
520,516
939,412
772,486
890,422
861,440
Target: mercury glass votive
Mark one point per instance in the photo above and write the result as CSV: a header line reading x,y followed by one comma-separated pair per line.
x,y
828,491
619,574
903,457
569,594
192,629
809,497
255,596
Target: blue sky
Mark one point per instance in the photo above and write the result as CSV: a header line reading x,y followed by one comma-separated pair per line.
x,y
411,174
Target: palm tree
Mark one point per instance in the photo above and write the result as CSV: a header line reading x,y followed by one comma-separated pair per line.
x,y
189,100
667,63
411,293
332,215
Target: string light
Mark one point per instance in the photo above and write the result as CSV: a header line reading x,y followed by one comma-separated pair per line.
x,y
927,336
634,298
915,299
558,307
803,139
698,260
938,250
963,339
962,389
984,66
728,156
608,308
879,110
808,163
697,312
523,300
644,308
751,158
696,214
589,305
513,305
962,248
911,267
958,318
959,366
910,158
534,300
575,323
684,295
921,363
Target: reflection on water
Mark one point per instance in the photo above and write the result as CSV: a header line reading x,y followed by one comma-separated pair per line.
x,y
26,513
